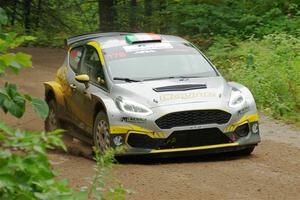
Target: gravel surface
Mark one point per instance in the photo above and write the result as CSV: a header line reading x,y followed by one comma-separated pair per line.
x,y
271,172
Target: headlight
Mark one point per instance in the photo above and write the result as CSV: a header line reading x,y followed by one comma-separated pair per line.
x,y
132,107
236,99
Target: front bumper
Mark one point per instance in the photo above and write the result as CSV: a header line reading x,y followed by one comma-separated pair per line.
x,y
143,136
192,152
163,145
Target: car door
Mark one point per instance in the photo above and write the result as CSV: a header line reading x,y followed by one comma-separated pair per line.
x,y
91,66
74,88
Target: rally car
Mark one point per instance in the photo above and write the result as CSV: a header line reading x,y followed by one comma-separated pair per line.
x,y
151,93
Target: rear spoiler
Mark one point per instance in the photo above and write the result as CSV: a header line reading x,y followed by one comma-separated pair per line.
x,y
71,40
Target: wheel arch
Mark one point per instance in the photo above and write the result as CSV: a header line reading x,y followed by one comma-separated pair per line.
x,y
54,91
98,106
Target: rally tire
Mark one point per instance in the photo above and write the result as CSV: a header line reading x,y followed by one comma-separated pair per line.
x,y
101,133
52,122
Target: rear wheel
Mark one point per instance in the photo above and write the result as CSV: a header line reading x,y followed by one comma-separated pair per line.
x,y
101,132
52,121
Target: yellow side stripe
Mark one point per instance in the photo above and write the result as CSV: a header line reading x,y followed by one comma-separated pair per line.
x,y
135,129
194,148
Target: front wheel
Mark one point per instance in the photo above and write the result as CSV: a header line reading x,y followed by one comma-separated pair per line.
x,y
101,133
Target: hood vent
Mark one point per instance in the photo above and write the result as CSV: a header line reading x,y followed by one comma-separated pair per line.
x,y
180,87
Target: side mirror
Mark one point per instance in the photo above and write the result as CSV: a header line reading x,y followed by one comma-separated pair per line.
x,y
83,78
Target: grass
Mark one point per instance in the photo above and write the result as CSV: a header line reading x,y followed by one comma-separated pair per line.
x,y
269,67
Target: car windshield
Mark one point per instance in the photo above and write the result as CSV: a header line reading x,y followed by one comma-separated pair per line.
x,y
142,62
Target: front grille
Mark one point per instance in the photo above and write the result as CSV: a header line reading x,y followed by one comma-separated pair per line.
x,y
193,117
193,138
180,139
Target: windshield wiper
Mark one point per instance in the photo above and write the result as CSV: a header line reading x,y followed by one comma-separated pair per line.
x,y
171,77
126,79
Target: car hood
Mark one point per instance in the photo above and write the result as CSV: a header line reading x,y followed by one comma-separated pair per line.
x,y
195,90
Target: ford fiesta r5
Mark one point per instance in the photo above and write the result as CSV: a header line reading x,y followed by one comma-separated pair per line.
x,y
150,93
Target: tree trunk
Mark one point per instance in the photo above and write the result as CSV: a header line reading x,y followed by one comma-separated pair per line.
x,y
148,8
26,15
132,16
14,12
162,22
148,23
38,14
106,15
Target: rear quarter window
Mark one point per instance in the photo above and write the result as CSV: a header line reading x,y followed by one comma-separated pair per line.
x,y
75,58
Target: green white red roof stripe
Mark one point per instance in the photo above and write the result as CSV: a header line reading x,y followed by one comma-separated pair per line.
x,y
142,37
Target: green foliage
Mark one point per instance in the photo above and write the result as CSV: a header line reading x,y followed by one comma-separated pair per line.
x,y
3,18
235,18
102,177
54,20
12,40
40,107
14,61
25,171
47,39
13,102
194,19
10,99
269,67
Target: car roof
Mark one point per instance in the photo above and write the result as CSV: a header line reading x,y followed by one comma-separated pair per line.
x,y
115,38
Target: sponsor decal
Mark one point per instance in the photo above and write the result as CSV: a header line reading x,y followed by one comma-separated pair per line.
x,y
116,55
190,95
141,52
171,141
147,47
133,119
244,110
113,43
196,127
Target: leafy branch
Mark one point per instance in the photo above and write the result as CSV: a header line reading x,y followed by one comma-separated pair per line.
x,y
10,99
25,171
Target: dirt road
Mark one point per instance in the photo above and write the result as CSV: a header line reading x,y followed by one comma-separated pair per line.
x,y
272,172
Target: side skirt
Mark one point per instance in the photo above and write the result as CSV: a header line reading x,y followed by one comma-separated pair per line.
x,y
76,132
